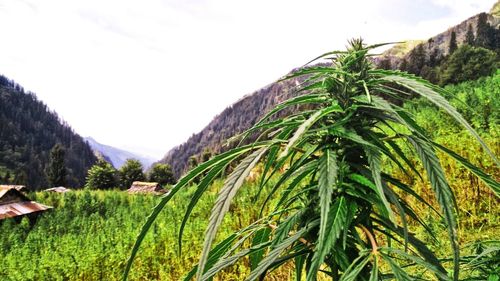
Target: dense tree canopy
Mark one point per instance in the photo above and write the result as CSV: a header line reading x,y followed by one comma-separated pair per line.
x,y
162,174
102,176
467,63
131,171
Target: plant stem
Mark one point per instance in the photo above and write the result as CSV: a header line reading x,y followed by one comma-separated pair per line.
x,y
370,237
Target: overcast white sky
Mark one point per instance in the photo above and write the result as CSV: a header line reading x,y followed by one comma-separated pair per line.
x,y
145,75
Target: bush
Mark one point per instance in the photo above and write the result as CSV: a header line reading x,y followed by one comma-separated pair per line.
x,y
162,174
130,171
101,176
467,63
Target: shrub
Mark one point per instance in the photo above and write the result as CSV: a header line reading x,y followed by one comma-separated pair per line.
x,y
130,171
101,176
467,63
162,174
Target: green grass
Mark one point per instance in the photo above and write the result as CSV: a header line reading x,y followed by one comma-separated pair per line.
x,y
89,234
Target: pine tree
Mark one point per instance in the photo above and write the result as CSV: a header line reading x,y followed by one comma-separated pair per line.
x,y
417,60
56,173
483,32
469,36
453,43
434,58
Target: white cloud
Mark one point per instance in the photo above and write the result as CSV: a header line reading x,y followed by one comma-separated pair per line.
x,y
148,74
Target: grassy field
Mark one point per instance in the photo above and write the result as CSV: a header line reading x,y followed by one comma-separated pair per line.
x,y
88,235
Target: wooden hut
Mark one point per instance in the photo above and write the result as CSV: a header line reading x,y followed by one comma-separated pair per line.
x,y
14,204
59,189
146,187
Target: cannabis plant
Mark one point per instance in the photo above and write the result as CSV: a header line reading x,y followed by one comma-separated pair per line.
x,y
338,212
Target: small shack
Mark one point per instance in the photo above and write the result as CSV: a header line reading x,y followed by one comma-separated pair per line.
x,y
146,188
14,204
21,188
59,189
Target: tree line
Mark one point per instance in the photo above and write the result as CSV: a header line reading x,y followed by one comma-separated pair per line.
x,y
103,175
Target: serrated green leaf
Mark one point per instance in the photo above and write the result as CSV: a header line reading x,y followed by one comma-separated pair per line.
x,y
221,206
398,272
337,218
301,130
355,268
443,192
437,271
260,237
276,252
375,162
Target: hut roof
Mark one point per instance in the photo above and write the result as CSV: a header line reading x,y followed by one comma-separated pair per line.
x,y
59,189
13,203
146,187
17,187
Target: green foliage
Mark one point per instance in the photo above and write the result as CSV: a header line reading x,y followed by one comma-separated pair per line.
x,y
130,171
477,101
467,63
453,43
162,174
89,233
330,160
101,176
56,172
484,263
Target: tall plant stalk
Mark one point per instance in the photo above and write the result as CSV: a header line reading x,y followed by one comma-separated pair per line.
x,y
338,212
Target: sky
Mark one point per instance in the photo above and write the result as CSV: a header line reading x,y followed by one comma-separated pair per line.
x,y
146,75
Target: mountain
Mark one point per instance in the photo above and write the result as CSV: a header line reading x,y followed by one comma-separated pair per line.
x,y
483,29
28,132
245,112
233,120
116,156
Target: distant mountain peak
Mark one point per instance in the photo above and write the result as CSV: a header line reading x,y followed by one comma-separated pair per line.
x,y
117,156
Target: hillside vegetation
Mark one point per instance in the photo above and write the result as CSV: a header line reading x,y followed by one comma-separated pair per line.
x,y
28,131
233,120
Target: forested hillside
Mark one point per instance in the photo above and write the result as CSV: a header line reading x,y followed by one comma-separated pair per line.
x,y
466,51
28,132
233,120
474,53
